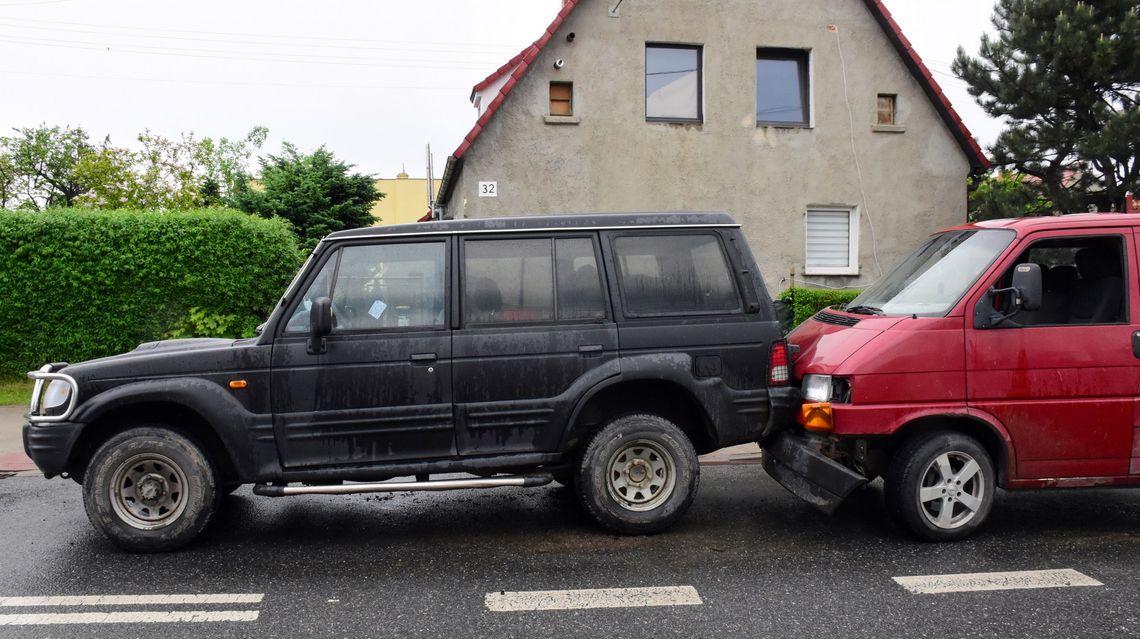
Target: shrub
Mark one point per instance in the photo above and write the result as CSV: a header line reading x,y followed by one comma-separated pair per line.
x,y
806,302
77,284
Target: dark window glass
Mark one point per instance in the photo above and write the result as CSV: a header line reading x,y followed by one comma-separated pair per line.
x,y
782,87
579,286
508,281
1082,280
673,274
389,286
299,320
672,82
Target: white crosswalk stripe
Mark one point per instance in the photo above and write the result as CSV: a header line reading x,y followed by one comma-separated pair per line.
x,y
592,598
978,581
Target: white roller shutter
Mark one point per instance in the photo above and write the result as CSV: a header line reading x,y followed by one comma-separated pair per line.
x,y
832,242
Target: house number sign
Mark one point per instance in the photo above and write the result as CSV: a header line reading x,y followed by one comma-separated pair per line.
x,y
488,189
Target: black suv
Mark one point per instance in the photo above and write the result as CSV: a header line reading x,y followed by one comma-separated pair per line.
x,y
603,352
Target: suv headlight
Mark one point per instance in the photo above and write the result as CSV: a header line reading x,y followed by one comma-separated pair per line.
x,y
826,388
57,394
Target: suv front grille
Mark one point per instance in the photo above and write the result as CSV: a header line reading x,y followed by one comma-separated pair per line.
x,y
835,318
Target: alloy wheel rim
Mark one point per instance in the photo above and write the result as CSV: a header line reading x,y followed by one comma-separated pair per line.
x,y
952,490
641,475
148,491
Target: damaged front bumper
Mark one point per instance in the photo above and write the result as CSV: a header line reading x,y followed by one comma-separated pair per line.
x,y
791,459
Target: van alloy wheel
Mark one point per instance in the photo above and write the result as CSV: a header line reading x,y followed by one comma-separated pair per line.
x,y
952,490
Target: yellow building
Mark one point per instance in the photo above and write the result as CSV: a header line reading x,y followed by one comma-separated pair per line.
x,y
405,199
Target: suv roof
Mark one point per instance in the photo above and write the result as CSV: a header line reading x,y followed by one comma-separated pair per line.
x,y
543,223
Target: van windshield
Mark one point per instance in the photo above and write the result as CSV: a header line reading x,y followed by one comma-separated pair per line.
x,y
933,278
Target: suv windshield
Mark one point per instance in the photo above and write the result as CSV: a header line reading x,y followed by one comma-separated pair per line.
x,y
934,277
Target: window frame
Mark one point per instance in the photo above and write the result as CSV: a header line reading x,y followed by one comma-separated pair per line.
x,y
336,253
730,264
700,49
805,76
894,97
461,280
1026,244
854,219
569,101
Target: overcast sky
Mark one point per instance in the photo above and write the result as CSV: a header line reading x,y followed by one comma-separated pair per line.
x,y
374,80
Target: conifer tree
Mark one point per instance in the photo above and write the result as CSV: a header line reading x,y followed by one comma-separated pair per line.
x,y
1065,76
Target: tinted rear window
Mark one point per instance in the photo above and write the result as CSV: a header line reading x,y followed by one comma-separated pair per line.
x,y
674,275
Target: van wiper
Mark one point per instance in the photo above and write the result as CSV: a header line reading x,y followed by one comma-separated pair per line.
x,y
864,310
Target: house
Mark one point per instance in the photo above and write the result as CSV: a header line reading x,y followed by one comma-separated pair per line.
x,y
405,199
813,122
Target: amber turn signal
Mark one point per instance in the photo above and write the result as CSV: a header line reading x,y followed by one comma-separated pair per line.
x,y
238,383
816,417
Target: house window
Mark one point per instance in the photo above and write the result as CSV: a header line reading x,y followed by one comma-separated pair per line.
x,y
782,95
832,242
561,98
673,83
885,109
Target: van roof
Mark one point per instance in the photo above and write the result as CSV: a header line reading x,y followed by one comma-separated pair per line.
x,y
1025,225
532,223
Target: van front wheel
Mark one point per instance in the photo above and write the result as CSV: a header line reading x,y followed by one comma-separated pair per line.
x,y
941,486
638,475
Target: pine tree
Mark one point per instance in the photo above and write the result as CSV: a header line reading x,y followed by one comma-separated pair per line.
x,y
1066,77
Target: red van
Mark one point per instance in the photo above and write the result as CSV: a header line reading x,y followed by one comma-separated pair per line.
x,y
1003,353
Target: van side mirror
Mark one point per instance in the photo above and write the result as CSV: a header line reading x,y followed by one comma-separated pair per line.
x,y
320,325
1027,285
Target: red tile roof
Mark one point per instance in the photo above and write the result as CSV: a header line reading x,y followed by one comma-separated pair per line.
x,y
523,60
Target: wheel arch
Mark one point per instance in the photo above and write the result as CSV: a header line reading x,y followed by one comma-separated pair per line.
x,y
988,433
662,397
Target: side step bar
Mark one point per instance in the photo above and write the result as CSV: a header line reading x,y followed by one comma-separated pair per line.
x,y
521,481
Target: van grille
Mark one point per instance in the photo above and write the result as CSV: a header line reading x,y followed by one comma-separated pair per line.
x,y
835,318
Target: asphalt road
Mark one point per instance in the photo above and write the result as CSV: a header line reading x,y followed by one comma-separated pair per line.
x,y
760,564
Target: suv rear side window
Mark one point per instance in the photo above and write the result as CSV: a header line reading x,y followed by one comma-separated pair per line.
x,y
674,275
579,287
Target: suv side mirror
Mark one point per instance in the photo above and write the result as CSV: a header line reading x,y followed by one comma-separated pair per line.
x,y
1027,282
784,316
320,325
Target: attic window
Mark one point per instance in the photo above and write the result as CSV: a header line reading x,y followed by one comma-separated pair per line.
x,y
885,109
561,98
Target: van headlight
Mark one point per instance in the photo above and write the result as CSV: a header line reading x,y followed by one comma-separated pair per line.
x,y
57,394
826,388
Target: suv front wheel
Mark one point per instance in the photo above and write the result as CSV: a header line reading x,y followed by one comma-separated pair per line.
x,y
149,490
638,475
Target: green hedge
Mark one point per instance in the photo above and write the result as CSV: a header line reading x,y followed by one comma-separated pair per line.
x,y
806,302
77,284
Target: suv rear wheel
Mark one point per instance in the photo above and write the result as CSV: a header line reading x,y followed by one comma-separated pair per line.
x,y
149,490
941,486
638,475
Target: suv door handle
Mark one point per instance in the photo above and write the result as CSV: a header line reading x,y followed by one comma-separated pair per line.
x,y
423,357
590,349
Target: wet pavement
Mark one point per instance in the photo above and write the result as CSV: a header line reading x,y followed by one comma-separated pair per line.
x,y
749,560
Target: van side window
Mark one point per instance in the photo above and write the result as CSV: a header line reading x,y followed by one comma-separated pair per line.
x,y
674,274
1082,281
387,286
579,285
508,281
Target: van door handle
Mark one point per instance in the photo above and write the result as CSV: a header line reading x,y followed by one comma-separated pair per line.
x,y
1136,344
423,358
590,349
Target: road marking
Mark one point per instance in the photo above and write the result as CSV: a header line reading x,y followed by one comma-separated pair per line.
x,y
180,616
976,581
131,600
592,598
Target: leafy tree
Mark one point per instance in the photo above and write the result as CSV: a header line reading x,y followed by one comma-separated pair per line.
x,y
9,180
1005,194
46,157
314,191
1066,77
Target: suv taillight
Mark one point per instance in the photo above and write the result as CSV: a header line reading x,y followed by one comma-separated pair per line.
x,y
778,373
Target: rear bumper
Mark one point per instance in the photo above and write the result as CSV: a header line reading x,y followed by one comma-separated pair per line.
x,y
49,445
791,459
783,404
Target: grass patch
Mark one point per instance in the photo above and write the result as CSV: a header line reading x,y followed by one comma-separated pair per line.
x,y
15,391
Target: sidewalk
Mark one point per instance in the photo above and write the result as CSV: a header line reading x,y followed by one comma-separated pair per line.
x,y
12,457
